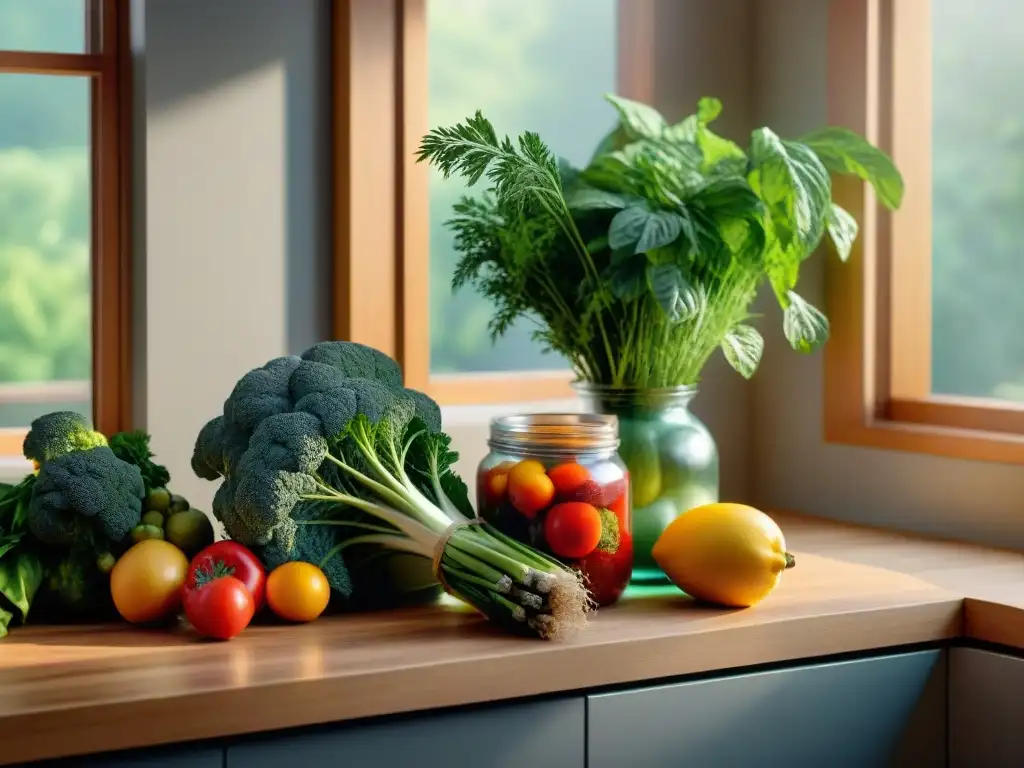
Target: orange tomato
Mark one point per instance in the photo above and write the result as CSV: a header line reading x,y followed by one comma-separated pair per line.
x,y
494,483
529,488
297,591
568,477
573,529
146,582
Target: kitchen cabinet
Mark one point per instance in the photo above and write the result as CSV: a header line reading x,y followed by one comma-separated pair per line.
x,y
199,756
863,713
539,734
986,708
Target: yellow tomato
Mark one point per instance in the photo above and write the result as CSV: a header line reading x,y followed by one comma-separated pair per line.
x,y
729,554
146,582
297,591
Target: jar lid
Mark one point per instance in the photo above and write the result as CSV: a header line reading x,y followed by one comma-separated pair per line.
x,y
555,432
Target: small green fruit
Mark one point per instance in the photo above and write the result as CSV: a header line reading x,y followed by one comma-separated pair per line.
x,y
144,532
153,518
178,503
158,499
190,531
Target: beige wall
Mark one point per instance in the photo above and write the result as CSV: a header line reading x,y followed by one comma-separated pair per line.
x,y
792,467
234,243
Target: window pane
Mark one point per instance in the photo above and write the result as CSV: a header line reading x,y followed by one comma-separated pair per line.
x,y
45,288
978,198
534,65
54,26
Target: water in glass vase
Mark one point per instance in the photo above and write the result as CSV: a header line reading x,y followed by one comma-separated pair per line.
x,y
671,457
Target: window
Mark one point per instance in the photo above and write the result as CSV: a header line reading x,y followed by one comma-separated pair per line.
x,y
523,76
926,353
63,264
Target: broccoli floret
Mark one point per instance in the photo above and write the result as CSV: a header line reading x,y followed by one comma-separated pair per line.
x,y
356,361
84,494
218,448
58,433
311,376
262,392
78,588
610,536
133,447
312,543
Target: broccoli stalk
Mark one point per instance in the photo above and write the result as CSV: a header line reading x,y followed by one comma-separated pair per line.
x,y
504,579
328,453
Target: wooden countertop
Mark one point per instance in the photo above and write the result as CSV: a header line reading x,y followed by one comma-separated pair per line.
x,y
75,690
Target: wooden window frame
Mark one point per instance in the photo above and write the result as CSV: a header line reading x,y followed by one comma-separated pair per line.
x,y
109,70
381,195
878,361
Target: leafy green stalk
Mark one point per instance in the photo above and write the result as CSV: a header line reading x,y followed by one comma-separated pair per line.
x,y
639,266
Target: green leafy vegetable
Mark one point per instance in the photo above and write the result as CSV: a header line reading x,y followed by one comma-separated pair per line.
x,y
133,447
639,266
338,459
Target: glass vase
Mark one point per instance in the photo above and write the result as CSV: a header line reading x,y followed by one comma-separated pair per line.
x,y
671,457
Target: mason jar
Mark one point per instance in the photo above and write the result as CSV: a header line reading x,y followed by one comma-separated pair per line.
x,y
671,457
556,483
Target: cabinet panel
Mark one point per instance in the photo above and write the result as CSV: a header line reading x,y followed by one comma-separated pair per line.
x,y
853,714
539,734
158,757
986,709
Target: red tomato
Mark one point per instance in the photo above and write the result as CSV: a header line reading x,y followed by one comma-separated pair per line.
x,y
572,529
229,558
607,574
220,608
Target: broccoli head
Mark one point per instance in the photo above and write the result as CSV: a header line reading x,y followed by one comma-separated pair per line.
x,y
262,392
83,494
218,448
356,361
59,433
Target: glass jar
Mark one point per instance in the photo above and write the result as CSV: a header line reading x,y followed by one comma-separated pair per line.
x,y
556,483
671,457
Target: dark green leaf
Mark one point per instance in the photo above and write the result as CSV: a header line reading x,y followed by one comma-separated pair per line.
x,y
582,198
567,173
597,244
7,543
21,574
842,229
845,151
794,185
729,196
640,121
743,347
643,228
679,299
805,326
628,278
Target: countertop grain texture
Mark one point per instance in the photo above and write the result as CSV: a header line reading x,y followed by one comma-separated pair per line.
x,y
77,690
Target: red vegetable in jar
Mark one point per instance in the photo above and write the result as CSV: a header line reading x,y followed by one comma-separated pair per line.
x,y
555,482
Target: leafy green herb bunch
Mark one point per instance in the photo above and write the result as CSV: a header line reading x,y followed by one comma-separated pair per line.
x,y
640,265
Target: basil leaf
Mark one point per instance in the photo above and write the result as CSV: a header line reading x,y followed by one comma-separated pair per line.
x,y
743,347
581,198
643,228
794,185
640,121
677,297
842,229
843,151
805,326
729,196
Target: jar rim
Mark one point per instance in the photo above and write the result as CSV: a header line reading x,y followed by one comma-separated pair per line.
x,y
555,432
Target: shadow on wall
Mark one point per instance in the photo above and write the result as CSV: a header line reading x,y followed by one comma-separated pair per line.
x,y
206,46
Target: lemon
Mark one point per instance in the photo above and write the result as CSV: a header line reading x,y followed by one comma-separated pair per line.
x,y
729,554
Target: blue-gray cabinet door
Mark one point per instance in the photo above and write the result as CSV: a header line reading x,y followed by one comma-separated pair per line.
x,y
187,756
537,734
986,709
851,714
